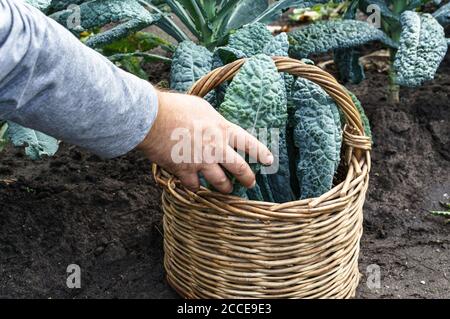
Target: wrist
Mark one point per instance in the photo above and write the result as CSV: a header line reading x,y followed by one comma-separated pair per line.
x,y
147,144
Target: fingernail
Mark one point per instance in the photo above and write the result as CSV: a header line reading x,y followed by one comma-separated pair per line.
x,y
269,159
253,184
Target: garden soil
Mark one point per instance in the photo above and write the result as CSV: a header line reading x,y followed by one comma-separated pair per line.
x,y
105,216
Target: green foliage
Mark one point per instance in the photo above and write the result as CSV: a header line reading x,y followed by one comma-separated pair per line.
x,y
189,63
278,184
130,15
416,41
3,137
325,36
251,39
443,213
42,5
140,41
318,136
36,144
348,65
211,21
422,48
364,119
256,98
278,46
347,60
132,51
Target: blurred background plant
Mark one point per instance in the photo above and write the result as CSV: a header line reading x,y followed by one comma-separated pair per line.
x,y
326,11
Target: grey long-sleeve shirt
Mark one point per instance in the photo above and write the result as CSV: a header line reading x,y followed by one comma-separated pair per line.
x,y
51,82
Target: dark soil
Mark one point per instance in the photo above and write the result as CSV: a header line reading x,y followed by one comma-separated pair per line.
x,y
106,217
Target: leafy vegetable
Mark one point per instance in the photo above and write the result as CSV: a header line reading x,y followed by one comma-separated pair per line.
x,y
36,144
318,136
422,48
42,5
189,63
415,41
347,60
256,98
130,14
364,119
278,184
278,46
324,36
251,39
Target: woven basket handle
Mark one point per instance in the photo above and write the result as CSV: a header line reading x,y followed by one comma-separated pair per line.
x,y
353,132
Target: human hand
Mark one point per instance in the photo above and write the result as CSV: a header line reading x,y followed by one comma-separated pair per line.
x,y
197,119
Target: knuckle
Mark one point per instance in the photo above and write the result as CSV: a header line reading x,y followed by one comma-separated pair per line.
x,y
222,180
241,169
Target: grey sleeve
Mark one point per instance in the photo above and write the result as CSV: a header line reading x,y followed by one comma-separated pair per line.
x,y
51,82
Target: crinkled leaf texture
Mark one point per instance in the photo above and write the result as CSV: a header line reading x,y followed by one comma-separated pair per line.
x,y
42,5
271,46
131,15
347,60
256,98
190,62
324,36
99,13
278,46
318,136
279,182
36,144
250,39
422,49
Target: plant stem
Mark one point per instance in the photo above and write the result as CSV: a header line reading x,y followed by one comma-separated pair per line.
x,y
398,6
393,88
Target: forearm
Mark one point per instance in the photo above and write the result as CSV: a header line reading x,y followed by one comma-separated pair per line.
x,y
51,82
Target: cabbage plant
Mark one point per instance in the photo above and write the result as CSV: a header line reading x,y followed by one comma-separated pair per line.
x,y
416,41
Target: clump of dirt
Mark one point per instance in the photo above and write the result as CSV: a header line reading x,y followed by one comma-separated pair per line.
x,y
106,216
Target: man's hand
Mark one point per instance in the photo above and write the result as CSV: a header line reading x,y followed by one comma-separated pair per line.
x,y
194,115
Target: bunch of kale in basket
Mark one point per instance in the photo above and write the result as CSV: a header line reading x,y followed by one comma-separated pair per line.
x,y
308,148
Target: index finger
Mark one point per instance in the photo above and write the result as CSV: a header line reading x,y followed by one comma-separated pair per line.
x,y
242,140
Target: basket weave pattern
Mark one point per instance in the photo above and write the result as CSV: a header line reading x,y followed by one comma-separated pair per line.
x,y
221,246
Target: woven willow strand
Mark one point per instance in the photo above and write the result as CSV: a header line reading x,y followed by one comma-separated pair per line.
x,y
221,246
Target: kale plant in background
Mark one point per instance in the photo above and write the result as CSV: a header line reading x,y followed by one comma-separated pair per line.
x,y
416,41
36,144
308,147
103,23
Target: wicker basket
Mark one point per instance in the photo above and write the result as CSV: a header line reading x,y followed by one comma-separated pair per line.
x,y
221,246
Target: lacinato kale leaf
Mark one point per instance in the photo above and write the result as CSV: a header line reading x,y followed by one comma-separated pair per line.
x,y
422,48
256,98
36,144
251,39
324,36
190,62
317,135
277,46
